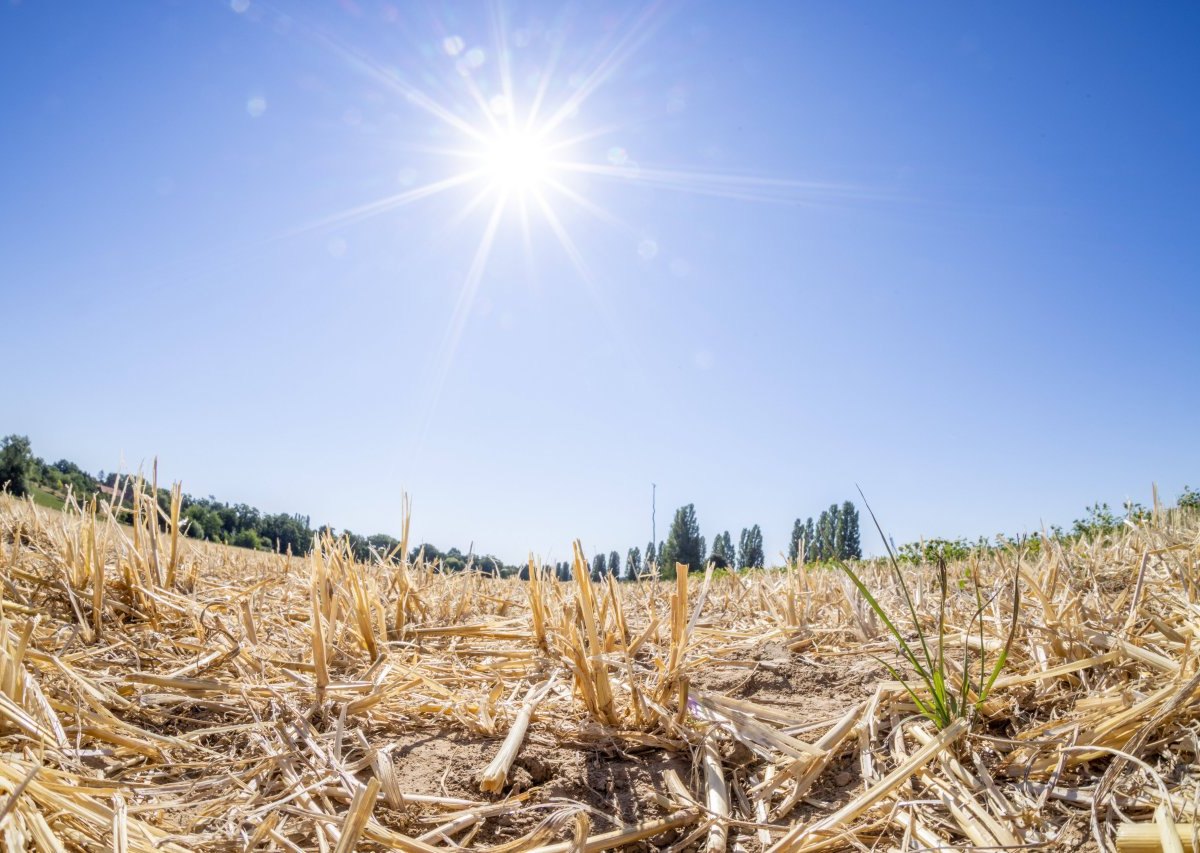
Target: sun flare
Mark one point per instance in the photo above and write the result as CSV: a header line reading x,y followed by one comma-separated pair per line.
x,y
517,139
516,162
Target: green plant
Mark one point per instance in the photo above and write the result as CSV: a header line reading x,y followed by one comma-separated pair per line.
x,y
16,464
946,697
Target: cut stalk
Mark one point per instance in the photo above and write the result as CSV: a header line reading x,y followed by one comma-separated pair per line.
x,y
495,776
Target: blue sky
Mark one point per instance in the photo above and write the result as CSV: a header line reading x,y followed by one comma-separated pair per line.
x,y
947,252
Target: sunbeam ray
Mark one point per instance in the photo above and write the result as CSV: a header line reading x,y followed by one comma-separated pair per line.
x,y
462,309
564,239
374,208
412,94
544,78
503,60
724,185
587,204
614,329
536,154
637,35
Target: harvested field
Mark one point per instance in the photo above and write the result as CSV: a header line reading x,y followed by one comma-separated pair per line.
x,y
157,694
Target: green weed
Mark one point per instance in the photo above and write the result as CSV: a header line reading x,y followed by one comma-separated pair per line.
x,y
945,696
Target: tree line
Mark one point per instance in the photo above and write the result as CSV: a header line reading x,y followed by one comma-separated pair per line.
x,y
834,535
207,518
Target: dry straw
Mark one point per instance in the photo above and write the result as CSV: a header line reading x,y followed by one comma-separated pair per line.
x,y
158,694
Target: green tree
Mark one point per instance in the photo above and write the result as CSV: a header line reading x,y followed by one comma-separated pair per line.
x,y
1190,499
651,557
614,563
247,539
16,464
633,563
723,556
851,539
797,539
1100,521
598,567
750,548
832,535
381,543
683,543
839,530
825,535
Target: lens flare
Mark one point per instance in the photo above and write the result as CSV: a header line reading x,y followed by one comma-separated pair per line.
x,y
516,162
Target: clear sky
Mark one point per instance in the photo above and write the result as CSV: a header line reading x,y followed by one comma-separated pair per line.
x,y
522,260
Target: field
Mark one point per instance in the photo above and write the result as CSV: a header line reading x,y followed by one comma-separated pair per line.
x,y
162,694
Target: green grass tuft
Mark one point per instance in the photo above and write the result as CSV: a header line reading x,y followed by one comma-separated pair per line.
x,y
944,698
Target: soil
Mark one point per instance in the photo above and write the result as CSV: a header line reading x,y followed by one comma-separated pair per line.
x,y
620,780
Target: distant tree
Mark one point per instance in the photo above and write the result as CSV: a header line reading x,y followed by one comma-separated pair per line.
x,y
380,543
810,539
358,546
931,551
796,541
614,563
290,532
453,561
651,557
823,537
599,566
659,558
723,556
851,538
429,551
1190,499
65,474
488,565
831,532
839,530
633,563
247,539
16,463
750,548
1100,521
683,543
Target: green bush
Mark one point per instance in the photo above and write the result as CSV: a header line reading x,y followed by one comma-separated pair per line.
x,y
247,539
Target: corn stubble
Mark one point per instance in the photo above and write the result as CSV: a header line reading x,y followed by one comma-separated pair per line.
x,y
158,694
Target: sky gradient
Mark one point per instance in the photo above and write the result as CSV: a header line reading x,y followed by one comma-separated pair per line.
x,y
946,252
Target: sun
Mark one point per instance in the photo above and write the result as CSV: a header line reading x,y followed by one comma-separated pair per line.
x,y
524,152
516,162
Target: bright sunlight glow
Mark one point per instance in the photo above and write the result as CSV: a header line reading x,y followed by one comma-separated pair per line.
x,y
516,162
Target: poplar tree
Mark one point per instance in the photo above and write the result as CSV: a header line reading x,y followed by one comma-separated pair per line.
x,y
851,541
683,543
797,538
633,563
723,556
839,532
750,551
